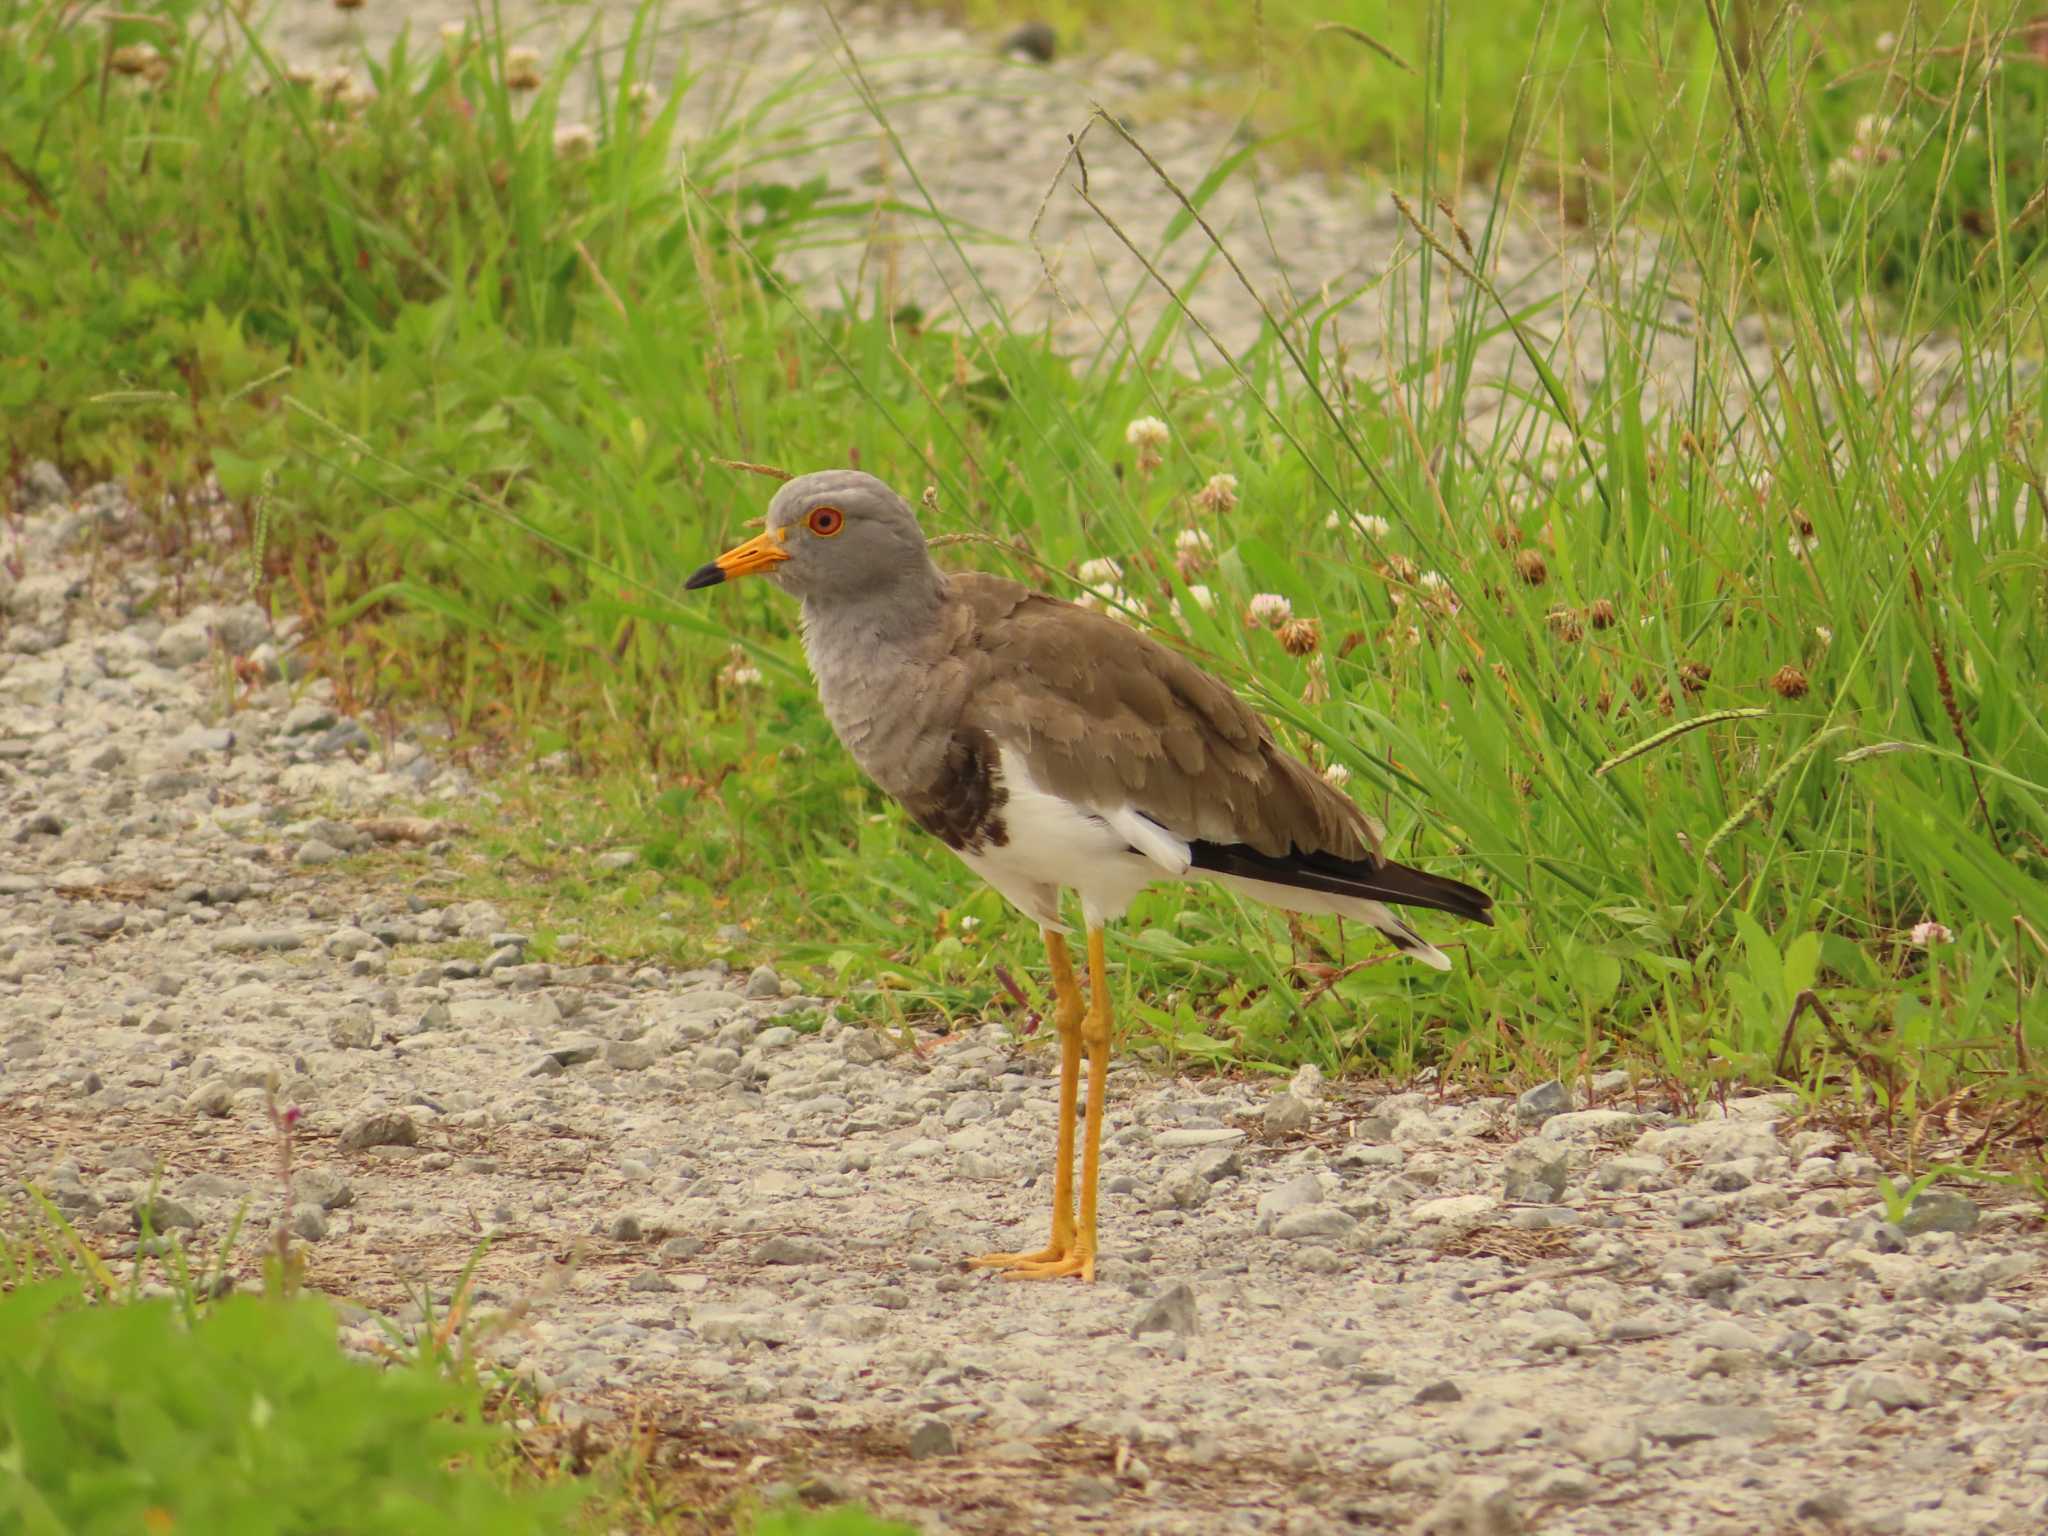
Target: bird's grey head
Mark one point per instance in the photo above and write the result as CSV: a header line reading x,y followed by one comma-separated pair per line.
x,y
832,537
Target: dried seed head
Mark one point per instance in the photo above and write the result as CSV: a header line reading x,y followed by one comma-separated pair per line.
x,y
1219,495
1601,614
1301,637
348,5
1507,535
1317,689
1665,703
1693,677
1465,676
930,499
1639,686
574,140
1399,568
1789,683
134,59
1603,701
1566,625
1530,567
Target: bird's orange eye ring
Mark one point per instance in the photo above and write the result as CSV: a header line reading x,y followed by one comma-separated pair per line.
x,y
825,521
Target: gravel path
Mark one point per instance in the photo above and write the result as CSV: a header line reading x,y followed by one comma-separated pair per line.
x,y
1320,1310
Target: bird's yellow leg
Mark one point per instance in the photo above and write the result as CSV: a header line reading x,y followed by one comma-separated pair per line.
x,y
1068,1008
1079,1260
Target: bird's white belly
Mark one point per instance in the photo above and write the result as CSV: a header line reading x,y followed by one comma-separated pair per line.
x,y
1051,843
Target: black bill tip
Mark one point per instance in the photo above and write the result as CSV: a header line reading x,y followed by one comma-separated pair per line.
x,y
706,576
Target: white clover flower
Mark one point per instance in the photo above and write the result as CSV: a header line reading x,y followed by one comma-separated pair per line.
x,y
744,677
1336,775
641,96
1147,432
453,32
1219,495
1100,573
1269,609
1927,935
575,140
1887,42
1335,520
1204,598
1823,634
1432,581
522,69
969,923
1193,541
1803,543
1375,525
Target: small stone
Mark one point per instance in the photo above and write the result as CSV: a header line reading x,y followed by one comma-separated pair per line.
x,y
1830,1506
322,1187
1199,1136
380,1128
1385,1450
1713,1280
574,1050
161,1214
309,1222
932,1437
1219,1163
1286,1116
617,858
1889,1390
1035,40
1709,1421
1535,1173
978,1165
42,485
1541,1102
650,1280
793,1250
1939,1210
1493,1427
1694,1212
1316,1222
1185,1191
1588,1125
351,1032
1171,1311
1630,1173
763,982
304,719
314,852
214,1098
630,1055
1474,1506
624,1228
1296,1194
1444,1391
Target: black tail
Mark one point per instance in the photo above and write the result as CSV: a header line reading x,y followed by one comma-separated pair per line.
x,y
1400,885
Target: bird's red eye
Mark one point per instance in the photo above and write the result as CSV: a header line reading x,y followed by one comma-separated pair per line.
x,y
825,521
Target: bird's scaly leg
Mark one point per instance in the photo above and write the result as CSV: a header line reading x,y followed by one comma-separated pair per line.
x,y
1079,1259
1068,1009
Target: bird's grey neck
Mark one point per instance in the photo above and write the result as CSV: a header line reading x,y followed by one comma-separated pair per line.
x,y
847,631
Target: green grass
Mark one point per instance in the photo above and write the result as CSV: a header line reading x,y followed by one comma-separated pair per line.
x,y
466,392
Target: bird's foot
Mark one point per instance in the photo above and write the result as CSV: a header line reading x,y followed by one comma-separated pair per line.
x,y
1051,1263
1051,1253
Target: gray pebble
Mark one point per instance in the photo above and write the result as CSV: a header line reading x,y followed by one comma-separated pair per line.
x,y
1172,1311
932,1437
380,1128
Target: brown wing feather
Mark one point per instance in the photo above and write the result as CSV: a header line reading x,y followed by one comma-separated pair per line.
x,y
1107,717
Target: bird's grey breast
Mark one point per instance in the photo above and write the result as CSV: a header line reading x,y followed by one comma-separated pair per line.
x,y
899,705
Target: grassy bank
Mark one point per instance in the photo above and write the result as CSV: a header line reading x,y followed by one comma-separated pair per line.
x,y
1725,702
